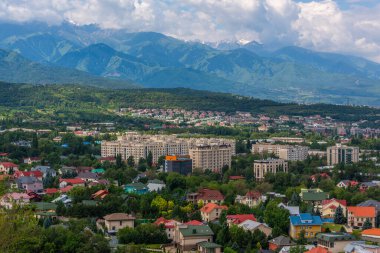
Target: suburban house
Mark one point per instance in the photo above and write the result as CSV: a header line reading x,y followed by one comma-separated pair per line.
x,y
155,185
279,242
10,199
250,225
330,205
317,250
46,170
209,247
101,194
137,188
212,211
334,242
188,237
372,235
8,167
361,247
307,222
314,178
251,199
88,176
314,197
239,218
366,185
357,215
30,160
347,183
115,221
205,196
287,249
63,182
29,184
36,174
169,226
293,210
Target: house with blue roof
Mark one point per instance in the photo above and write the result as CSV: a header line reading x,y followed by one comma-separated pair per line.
x,y
311,224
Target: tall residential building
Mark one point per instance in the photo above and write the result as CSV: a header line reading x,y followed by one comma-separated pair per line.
x,y
286,152
139,146
212,157
294,153
262,167
179,164
342,154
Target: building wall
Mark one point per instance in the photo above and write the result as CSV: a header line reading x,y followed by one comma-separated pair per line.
x,y
334,247
262,167
310,231
189,243
139,146
359,221
212,157
116,225
342,154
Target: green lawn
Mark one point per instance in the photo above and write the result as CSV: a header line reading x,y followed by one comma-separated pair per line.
x,y
332,227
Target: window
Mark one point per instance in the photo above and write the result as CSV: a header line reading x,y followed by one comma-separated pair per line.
x,y
121,223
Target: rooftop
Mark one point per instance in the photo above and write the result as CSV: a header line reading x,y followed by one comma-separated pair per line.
x,y
191,230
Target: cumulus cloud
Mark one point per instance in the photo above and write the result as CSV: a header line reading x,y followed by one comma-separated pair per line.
x,y
324,25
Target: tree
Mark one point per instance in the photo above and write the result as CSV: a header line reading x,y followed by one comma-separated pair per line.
x,y
131,161
119,161
149,159
302,239
276,216
297,249
367,224
295,200
339,216
47,222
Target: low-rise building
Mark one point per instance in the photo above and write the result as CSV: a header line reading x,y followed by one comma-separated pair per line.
x,y
188,237
250,199
137,188
8,167
181,164
205,196
212,211
312,225
29,184
361,247
372,235
64,182
169,226
155,185
209,247
314,197
358,215
329,207
293,210
9,200
279,242
116,221
236,219
250,225
334,242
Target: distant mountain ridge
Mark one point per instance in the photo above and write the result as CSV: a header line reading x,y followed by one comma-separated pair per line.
x,y
156,60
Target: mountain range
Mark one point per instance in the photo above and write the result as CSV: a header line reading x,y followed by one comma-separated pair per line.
x,y
38,53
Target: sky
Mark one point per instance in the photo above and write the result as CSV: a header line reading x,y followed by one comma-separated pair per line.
x,y
342,26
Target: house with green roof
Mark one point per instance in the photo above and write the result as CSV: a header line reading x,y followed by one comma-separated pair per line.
x,y
188,237
209,247
334,242
137,188
314,197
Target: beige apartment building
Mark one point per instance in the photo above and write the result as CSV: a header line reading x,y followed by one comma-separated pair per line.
x,y
342,154
212,157
139,146
289,139
262,167
286,152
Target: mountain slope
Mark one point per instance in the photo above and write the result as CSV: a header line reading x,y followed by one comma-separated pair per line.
x,y
17,69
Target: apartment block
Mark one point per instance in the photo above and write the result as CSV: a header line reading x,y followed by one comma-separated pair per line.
x,y
342,154
262,167
212,157
139,146
286,152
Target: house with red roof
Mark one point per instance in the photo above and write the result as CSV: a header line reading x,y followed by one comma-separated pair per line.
x,y
110,159
10,199
205,196
212,211
51,191
169,225
8,167
239,218
194,223
318,249
101,194
347,183
357,215
63,182
323,175
36,174
251,199
4,155
235,178
66,189
372,235
329,207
